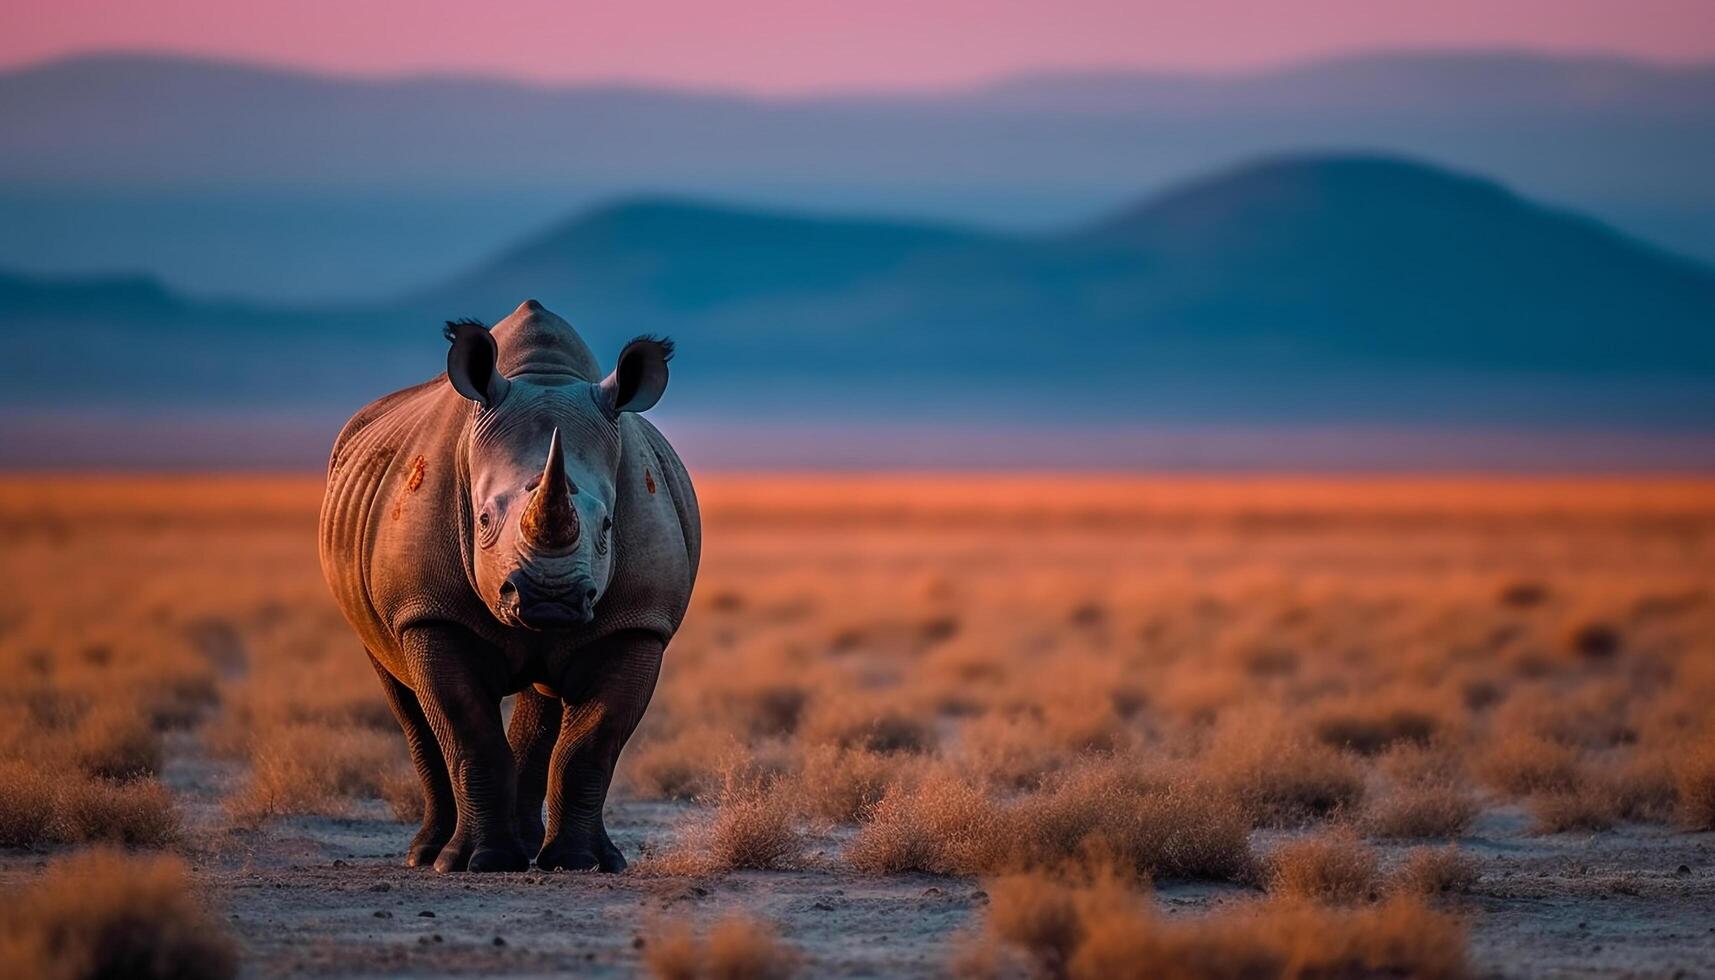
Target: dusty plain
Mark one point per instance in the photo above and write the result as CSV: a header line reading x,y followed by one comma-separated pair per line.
x,y
1079,726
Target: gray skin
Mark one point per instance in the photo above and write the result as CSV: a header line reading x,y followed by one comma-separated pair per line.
x,y
514,526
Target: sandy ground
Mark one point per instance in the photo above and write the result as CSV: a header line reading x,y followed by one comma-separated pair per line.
x,y
317,896
322,896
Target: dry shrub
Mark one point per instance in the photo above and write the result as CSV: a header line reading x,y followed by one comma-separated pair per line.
x,y
1101,932
1106,814
1046,919
737,948
104,913
852,722
1008,752
1417,811
1560,811
1438,763
100,732
683,766
402,788
1332,866
1642,787
1523,765
1281,776
1591,716
38,807
842,785
941,824
1429,871
1593,639
750,827
136,814
1170,825
28,798
116,741
1523,594
1369,726
1694,783
311,768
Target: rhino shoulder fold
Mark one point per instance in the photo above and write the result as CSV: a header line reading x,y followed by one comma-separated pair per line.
x,y
372,411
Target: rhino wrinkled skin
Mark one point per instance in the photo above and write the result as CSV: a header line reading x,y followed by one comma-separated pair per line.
x,y
514,526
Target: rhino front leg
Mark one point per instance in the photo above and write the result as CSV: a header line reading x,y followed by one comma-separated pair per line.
x,y
440,813
534,729
603,702
463,709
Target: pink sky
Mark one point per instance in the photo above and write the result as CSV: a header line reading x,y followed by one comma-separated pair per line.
x,y
791,46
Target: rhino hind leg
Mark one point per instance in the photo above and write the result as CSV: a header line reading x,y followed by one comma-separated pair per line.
x,y
534,729
464,713
601,708
440,812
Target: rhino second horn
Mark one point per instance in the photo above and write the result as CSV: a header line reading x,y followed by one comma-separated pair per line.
x,y
549,521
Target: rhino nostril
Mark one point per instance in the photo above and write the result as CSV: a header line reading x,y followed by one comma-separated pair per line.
x,y
590,595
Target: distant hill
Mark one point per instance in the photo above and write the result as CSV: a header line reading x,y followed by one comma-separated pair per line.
x,y
1457,82
233,179
129,297
1386,259
1293,291
676,256
1362,261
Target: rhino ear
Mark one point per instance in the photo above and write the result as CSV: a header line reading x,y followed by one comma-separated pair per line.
x,y
471,363
640,376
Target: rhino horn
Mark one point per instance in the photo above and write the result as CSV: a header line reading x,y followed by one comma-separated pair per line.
x,y
549,521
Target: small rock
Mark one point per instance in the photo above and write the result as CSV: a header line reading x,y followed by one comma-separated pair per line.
x,y
699,891
425,914
499,941
1684,869
979,896
383,914
932,892
381,886
338,863
822,907
638,942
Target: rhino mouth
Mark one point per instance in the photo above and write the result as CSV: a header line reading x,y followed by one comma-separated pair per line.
x,y
525,603
549,616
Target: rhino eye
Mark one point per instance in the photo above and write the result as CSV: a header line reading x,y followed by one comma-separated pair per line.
x,y
606,524
487,527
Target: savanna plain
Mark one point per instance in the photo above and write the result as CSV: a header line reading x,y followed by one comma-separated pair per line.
x,y
1088,727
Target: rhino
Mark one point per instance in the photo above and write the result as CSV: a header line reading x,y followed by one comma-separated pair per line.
x,y
514,526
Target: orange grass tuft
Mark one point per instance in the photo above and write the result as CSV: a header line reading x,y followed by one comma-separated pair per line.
x,y
736,948
104,913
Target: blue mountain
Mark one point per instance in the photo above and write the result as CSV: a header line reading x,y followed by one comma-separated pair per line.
x,y
1292,291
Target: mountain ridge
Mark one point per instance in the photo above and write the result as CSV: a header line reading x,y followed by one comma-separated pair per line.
x,y
274,184
1320,289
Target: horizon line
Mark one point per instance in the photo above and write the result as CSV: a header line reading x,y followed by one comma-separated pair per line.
x,y
882,92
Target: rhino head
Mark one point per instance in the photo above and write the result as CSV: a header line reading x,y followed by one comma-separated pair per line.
x,y
544,451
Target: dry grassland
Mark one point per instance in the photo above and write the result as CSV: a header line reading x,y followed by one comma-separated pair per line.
x,y
1237,727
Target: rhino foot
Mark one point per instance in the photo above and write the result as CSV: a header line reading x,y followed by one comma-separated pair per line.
x,y
461,855
455,856
498,859
427,845
581,852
